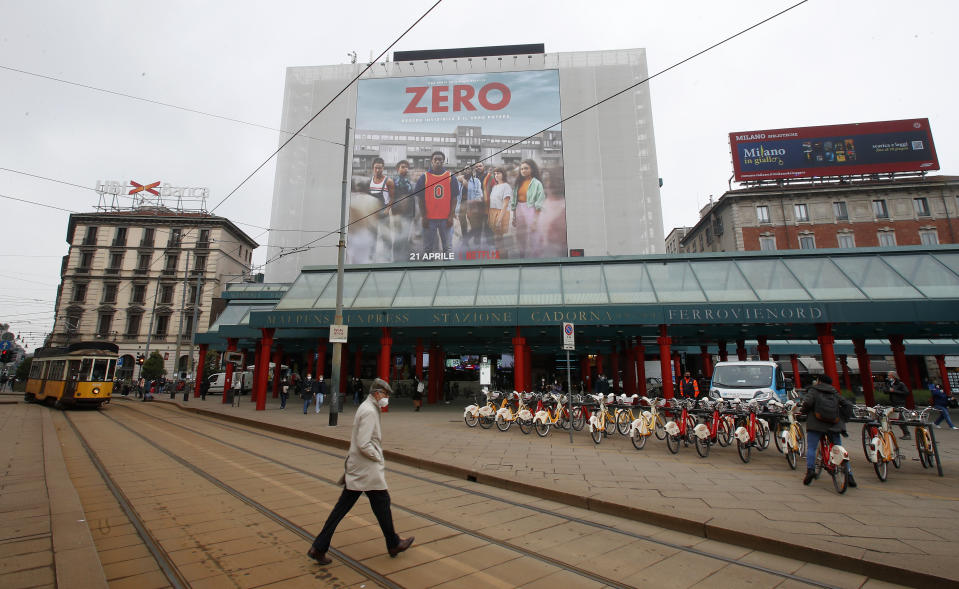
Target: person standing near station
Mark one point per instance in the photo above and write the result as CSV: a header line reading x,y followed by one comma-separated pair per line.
x,y
284,392
418,394
306,392
825,409
898,394
688,387
319,391
365,472
204,388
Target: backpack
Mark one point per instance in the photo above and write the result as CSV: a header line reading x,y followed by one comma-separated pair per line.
x,y
827,408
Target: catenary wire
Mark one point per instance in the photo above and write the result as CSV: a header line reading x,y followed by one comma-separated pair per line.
x,y
306,246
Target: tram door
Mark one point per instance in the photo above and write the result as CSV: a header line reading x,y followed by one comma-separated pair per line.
x,y
73,376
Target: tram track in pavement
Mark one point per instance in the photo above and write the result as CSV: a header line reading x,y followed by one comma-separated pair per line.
x,y
631,535
163,558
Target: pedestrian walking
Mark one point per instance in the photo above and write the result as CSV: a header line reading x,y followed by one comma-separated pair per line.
x,y
319,390
941,402
306,392
418,394
898,394
364,473
284,392
826,412
204,389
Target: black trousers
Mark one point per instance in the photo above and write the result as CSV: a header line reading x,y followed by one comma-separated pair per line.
x,y
379,501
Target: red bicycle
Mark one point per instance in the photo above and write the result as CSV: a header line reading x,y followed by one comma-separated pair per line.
x,y
835,460
682,430
755,433
716,430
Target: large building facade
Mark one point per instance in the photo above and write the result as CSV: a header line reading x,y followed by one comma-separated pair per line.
x,y
922,210
598,169
147,276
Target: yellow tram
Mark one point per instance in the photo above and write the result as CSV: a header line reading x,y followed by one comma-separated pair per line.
x,y
80,375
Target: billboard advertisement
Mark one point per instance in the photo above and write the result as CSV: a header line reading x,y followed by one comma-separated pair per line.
x,y
834,150
436,177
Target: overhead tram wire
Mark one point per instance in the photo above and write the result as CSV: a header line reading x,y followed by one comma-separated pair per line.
x,y
159,103
319,112
307,245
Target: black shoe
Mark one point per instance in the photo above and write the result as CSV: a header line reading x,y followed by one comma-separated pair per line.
x,y
810,475
403,545
322,559
905,436
850,481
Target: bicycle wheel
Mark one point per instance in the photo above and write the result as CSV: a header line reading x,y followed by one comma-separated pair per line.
x,y
690,434
896,455
819,463
882,471
762,436
503,424
800,439
542,428
702,446
724,433
525,425
659,427
639,440
485,422
869,432
792,457
470,419
744,451
672,442
623,421
597,435
924,447
780,428
563,420
579,418
839,479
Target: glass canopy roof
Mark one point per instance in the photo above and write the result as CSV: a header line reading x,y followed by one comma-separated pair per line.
x,y
904,273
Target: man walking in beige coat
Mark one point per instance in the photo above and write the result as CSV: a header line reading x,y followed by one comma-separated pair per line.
x,y
365,473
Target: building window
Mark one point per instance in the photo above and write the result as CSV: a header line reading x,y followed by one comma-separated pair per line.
x,y
839,208
166,294
120,239
846,240
928,237
73,323
139,294
767,243
887,239
188,329
79,293
148,235
104,323
116,260
879,209
91,237
802,212
171,261
133,323
163,325
762,214
807,242
199,263
176,236
110,292
86,260
922,207
204,240
194,293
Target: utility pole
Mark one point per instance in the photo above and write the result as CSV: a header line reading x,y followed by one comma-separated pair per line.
x,y
341,249
146,354
196,310
179,331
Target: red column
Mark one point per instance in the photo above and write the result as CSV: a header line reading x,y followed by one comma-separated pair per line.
x,y
902,366
201,362
914,362
519,361
664,342
741,349
826,341
845,372
263,367
383,359
419,358
798,380
865,370
640,351
599,364
707,361
321,358
277,363
254,393
723,354
763,348
943,374
230,347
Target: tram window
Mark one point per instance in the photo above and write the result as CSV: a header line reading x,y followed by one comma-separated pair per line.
x,y
111,367
56,370
36,369
99,370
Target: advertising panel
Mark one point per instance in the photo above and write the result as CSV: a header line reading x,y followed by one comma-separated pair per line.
x,y
435,177
834,150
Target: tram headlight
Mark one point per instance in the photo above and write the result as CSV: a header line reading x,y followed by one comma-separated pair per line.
x,y
96,390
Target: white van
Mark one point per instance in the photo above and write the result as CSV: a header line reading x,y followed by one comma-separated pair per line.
x,y
244,378
758,380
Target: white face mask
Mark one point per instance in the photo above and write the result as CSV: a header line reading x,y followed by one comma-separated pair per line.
x,y
383,402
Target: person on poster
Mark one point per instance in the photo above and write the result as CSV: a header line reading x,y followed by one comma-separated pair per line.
x,y
475,210
382,188
487,181
437,193
404,213
527,209
500,197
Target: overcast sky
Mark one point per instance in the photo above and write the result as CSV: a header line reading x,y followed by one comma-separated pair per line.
x,y
824,62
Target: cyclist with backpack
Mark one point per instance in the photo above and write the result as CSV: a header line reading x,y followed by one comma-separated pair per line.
x,y
826,413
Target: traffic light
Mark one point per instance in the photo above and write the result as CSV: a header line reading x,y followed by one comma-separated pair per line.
x,y
5,356
140,359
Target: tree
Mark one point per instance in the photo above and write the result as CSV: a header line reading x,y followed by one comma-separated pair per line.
x,y
153,367
23,370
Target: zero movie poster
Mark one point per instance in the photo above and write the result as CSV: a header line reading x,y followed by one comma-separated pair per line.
x,y
436,176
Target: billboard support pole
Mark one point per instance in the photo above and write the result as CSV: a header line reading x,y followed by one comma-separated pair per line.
x,y
341,251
